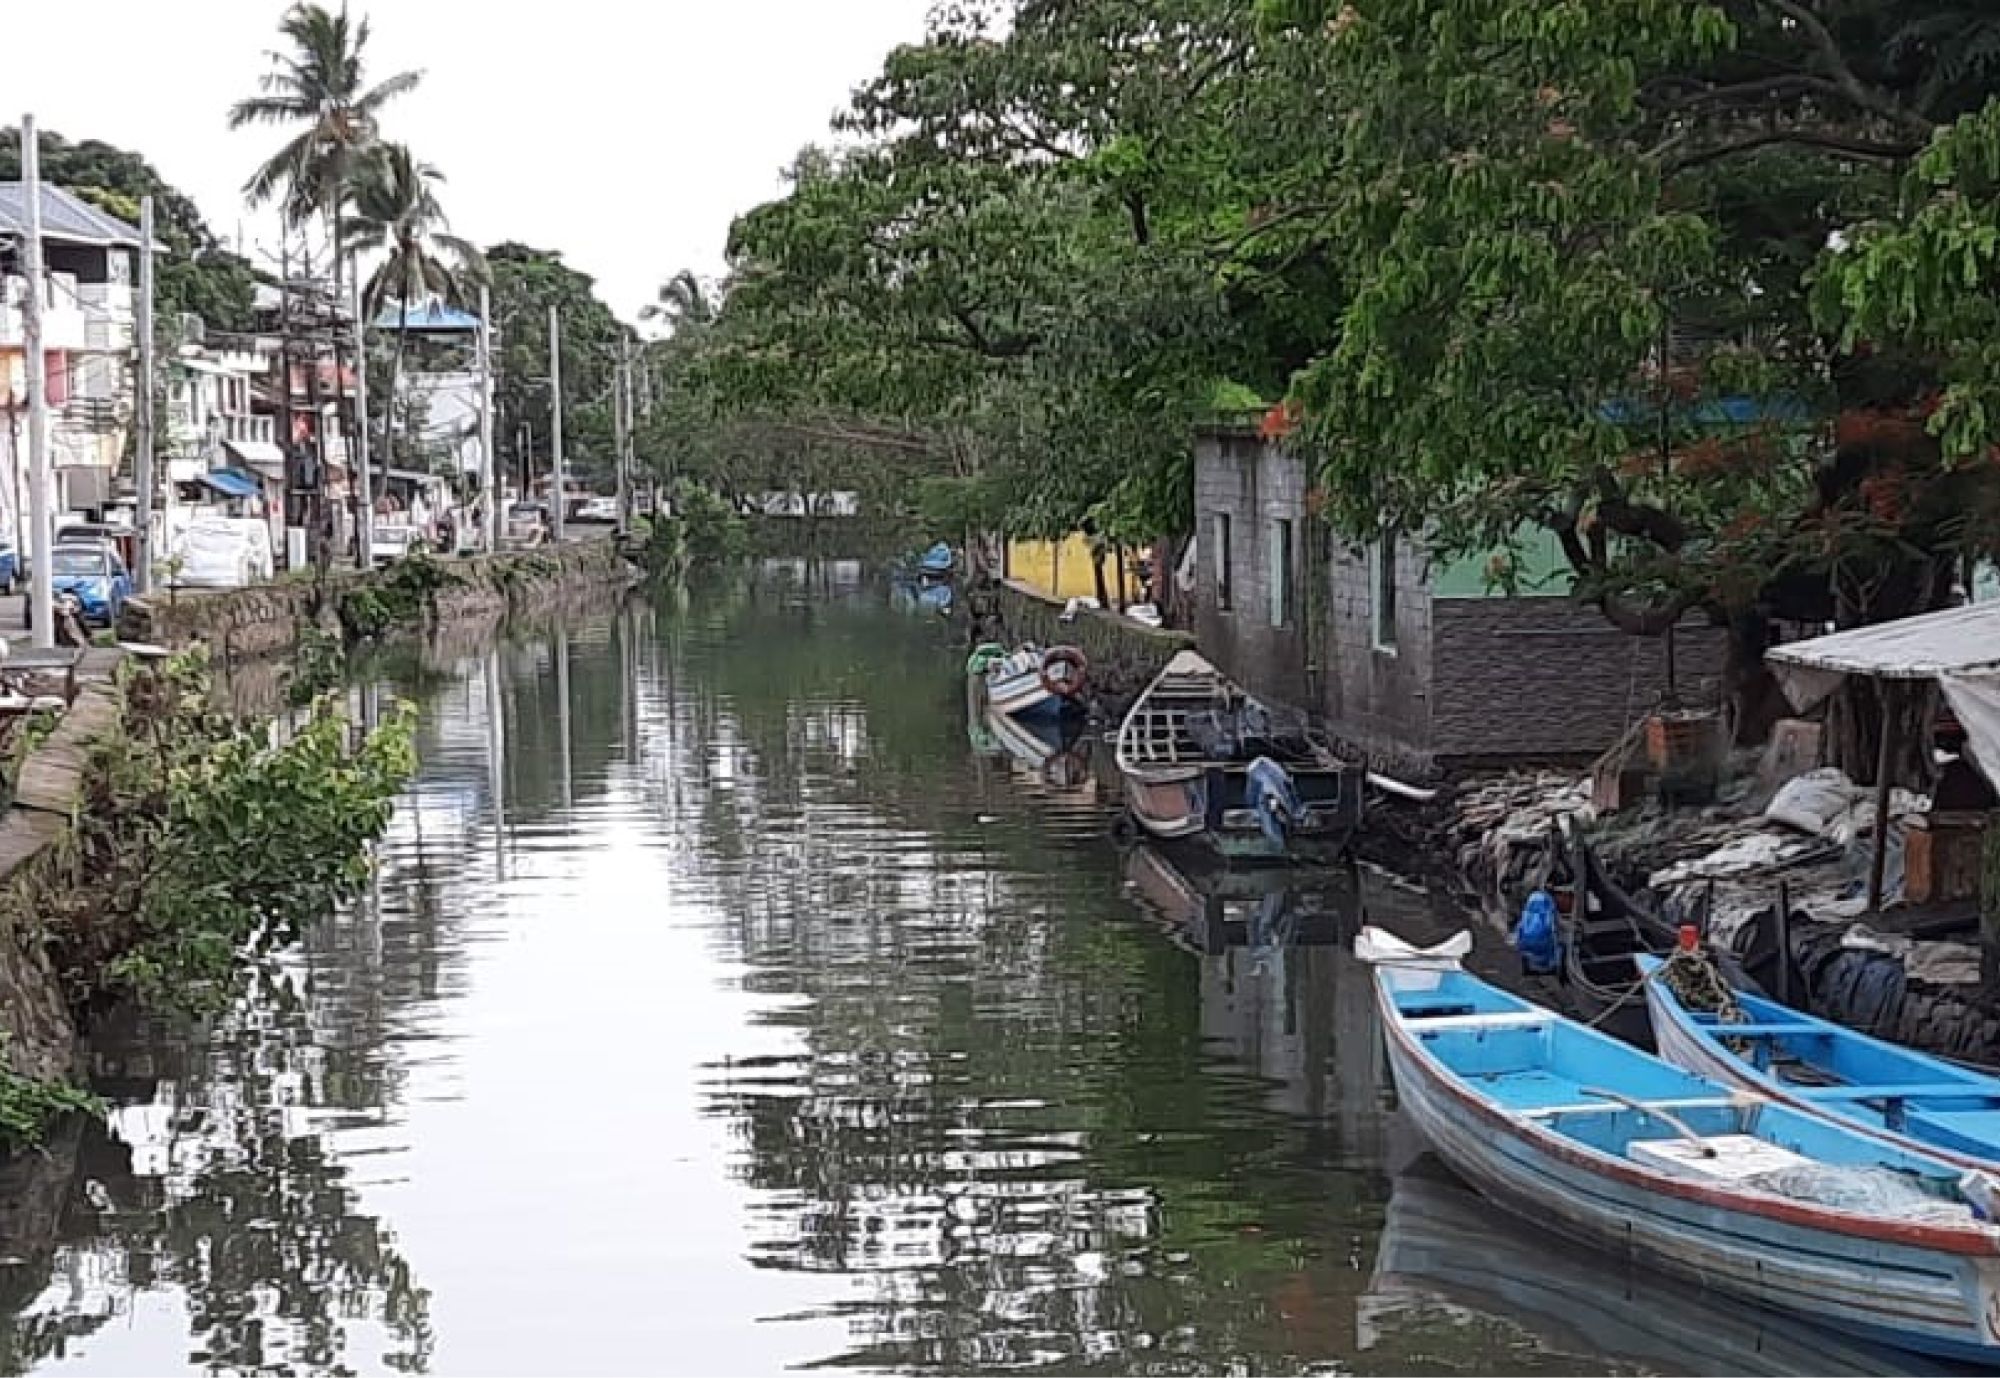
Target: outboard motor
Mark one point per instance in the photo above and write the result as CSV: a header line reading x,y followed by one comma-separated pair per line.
x,y
1270,793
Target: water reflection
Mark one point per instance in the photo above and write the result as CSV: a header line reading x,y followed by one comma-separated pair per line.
x,y
718,1011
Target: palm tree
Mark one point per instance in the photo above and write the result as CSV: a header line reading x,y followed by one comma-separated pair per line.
x,y
319,84
396,215
683,300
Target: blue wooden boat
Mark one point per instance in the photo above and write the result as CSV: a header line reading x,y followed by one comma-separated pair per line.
x,y
1453,1273
1883,1089
1730,1189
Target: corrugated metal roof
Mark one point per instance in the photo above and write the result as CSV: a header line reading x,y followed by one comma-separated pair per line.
x,y
65,218
1954,641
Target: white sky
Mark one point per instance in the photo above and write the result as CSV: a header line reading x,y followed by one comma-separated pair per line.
x,y
626,135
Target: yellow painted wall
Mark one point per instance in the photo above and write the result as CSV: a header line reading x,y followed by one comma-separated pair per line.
x,y
1062,569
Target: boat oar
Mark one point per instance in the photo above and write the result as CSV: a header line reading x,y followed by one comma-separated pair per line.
x,y
1672,1121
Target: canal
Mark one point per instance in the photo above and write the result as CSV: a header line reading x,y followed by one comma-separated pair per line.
x,y
724,1005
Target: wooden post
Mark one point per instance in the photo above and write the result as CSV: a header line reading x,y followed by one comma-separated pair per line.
x,y
1884,753
1784,939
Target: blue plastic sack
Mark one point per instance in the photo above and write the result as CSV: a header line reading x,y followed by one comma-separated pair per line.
x,y
1536,935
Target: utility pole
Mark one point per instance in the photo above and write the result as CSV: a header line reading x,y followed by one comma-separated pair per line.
x,y
621,418
286,423
41,609
142,574
489,467
556,425
364,514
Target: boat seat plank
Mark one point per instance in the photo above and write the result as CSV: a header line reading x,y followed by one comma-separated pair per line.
x,y
1459,1023
1768,1030
1612,1107
1913,1090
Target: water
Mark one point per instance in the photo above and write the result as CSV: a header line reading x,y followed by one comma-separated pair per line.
x,y
722,1008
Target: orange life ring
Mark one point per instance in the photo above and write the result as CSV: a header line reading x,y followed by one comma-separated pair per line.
x,y
1065,671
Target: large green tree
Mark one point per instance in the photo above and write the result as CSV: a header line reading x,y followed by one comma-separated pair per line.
x,y
197,274
526,283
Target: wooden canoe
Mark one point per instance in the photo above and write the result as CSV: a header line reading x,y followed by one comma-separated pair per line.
x,y
1180,785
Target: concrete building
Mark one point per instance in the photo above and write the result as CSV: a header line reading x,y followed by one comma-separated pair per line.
x,y
1417,662
89,332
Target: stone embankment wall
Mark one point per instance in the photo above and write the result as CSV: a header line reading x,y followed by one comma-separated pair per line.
x,y
267,618
34,857
1124,655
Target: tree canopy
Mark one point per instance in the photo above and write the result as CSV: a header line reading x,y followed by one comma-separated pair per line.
x,y
197,274
1703,287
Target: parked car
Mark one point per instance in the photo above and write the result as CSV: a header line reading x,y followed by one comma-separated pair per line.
x,y
10,566
597,510
95,576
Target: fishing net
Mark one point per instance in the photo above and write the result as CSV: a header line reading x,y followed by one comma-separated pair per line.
x,y
1698,984
1877,1191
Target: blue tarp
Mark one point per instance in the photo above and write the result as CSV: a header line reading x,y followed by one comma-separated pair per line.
x,y
1711,411
232,483
430,318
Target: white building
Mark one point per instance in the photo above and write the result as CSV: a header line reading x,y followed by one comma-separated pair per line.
x,y
88,342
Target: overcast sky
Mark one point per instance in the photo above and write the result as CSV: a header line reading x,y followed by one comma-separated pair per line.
x,y
625,133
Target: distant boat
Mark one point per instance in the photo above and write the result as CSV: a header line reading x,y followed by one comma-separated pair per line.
x,y
937,562
1031,681
1203,760
1456,1278
1576,1131
1882,1089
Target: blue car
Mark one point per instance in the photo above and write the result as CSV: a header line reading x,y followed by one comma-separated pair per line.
x,y
10,567
96,576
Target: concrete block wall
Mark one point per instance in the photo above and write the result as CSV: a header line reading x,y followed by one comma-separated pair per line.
x,y
1468,680
1255,484
1546,677
1379,697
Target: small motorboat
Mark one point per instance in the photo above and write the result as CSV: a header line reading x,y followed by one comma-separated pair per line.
x,y
1574,1130
1031,681
1882,1089
1203,760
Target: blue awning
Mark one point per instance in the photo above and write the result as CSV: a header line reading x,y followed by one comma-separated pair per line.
x,y
232,483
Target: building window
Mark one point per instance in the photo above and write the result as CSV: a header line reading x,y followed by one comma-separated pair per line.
x,y
1382,588
1223,561
1281,572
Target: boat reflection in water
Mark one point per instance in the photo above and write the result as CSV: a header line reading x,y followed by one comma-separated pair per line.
x,y
1051,754
1209,908
1459,1286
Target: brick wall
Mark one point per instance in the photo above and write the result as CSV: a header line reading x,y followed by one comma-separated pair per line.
x,y
1526,677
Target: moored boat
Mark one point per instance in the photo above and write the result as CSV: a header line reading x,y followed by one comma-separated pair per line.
x,y
1882,1089
1457,1279
1577,1131
1030,680
1203,760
